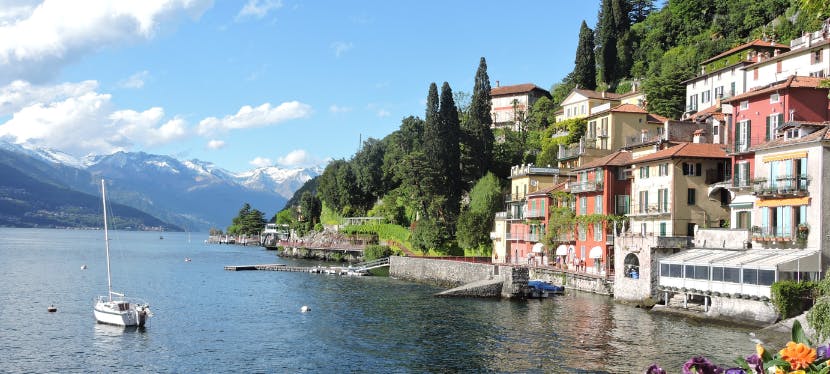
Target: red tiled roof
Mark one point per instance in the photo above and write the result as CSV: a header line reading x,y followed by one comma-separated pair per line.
x,y
706,112
754,43
618,158
514,89
794,81
656,118
688,150
628,108
820,134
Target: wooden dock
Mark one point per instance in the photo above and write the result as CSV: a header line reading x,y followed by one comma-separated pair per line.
x,y
357,269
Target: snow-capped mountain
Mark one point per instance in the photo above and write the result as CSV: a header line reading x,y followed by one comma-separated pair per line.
x,y
192,193
284,182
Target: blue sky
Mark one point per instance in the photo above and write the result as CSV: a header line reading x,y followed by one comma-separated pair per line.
x,y
255,83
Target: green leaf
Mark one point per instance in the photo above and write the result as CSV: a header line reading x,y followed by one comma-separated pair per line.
x,y
798,334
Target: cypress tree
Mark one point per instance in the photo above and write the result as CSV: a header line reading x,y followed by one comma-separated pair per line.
x,y
585,68
606,40
450,129
432,173
477,137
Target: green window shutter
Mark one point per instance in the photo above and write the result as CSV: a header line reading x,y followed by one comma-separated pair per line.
x,y
748,134
768,129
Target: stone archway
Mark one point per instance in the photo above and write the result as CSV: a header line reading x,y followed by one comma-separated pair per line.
x,y
631,266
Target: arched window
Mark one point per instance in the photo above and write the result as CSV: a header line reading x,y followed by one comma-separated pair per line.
x,y
631,266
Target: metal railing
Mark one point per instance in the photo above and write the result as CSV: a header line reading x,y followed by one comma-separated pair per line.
x,y
586,186
782,186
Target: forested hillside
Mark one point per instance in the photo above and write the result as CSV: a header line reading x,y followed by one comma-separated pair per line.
x,y
421,175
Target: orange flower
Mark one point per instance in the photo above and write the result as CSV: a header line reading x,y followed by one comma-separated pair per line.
x,y
798,355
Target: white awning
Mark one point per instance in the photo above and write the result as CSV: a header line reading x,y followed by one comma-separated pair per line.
x,y
595,252
790,260
562,250
538,247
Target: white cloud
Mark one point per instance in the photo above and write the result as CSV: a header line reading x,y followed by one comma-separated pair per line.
x,y
341,47
136,80
216,144
262,115
19,94
76,119
258,8
297,157
36,41
383,113
339,109
261,162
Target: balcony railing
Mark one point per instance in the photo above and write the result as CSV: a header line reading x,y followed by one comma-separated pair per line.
x,y
774,235
650,210
646,137
781,186
524,237
510,215
515,197
535,213
586,186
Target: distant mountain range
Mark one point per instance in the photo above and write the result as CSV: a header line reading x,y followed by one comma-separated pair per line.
x,y
190,195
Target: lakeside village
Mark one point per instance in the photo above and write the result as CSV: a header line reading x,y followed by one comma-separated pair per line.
x,y
718,205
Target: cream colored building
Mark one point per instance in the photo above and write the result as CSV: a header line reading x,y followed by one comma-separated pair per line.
x,y
669,190
582,103
510,104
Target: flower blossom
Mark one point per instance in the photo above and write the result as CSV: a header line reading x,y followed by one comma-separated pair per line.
x,y
799,355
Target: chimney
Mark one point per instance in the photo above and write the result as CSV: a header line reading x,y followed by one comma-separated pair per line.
x,y
776,52
497,83
603,94
699,136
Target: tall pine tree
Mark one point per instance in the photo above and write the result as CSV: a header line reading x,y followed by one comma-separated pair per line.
x,y
606,40
477,137
585,68
450,155
432,172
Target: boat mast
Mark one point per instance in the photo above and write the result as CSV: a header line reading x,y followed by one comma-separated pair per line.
x,y
106,240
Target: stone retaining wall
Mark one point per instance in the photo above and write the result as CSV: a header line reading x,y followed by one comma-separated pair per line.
x,y
443,273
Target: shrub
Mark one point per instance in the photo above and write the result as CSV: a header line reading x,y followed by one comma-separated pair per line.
x,y
374,252
792,298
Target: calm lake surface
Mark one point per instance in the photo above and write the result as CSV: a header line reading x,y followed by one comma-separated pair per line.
x,y
211,320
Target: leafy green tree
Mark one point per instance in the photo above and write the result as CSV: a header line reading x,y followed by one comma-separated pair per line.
x,y
477,135
561,90
476,220
640,9
585,66
428,235
665,91
819,9
284,217
248,222
310,208
338,188
508,152
368,169
542,114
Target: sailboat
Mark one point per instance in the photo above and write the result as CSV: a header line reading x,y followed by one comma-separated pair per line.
x,y
118,310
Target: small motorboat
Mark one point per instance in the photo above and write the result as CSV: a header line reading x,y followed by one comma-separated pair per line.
x,y
83,267
52,308
187,259
544,287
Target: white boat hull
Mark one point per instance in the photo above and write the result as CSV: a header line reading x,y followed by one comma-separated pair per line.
x,y
121,313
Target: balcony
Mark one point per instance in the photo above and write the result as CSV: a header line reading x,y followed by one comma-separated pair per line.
x,y
586,186
780,235
524,237
643,138
650,210
788,186
535,213
516,197
509,216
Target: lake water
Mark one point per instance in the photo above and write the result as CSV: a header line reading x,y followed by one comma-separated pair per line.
x,y
211,320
